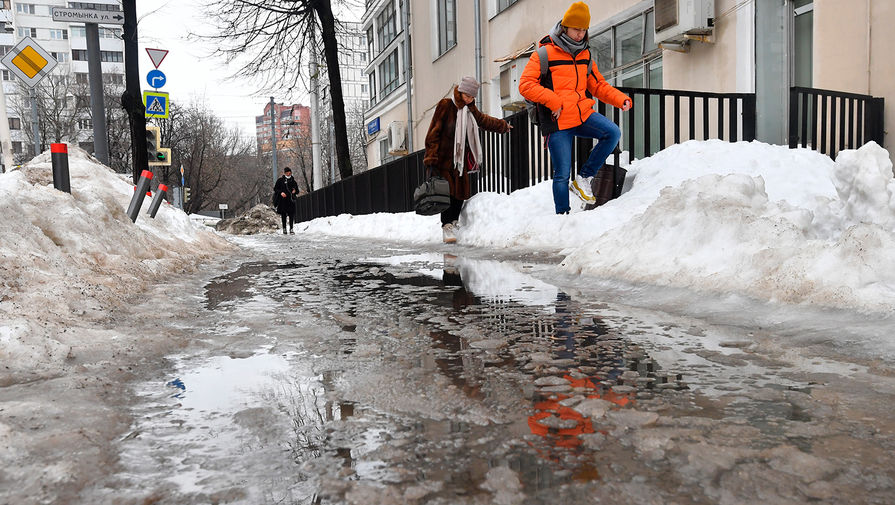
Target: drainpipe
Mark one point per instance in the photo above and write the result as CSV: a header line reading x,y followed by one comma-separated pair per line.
x,y
869,46
477,7
407,76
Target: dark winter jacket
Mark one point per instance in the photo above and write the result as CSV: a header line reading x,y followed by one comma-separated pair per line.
x,y
440,141
285,206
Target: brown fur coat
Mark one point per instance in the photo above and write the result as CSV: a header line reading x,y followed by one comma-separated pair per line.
x,y
440,141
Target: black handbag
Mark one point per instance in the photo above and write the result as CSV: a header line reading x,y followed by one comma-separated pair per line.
x,y
432,196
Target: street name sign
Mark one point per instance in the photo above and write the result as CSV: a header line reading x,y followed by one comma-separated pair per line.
x,y
156,56
157,104
29,62
88,16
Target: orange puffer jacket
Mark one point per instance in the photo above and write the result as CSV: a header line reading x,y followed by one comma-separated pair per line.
x,y
573,90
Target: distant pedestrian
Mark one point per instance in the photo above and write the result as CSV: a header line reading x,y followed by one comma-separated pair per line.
x,y
284,193
453,147
568,96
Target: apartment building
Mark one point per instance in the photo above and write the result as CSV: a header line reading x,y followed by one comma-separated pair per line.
x,y
355,95
744,46
68,83
290,122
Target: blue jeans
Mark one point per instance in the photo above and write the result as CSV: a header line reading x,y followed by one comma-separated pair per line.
x,y
560,145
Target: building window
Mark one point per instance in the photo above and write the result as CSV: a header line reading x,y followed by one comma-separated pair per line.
x,y
57,34
25,8
503,4
27,32
94,7
6,75
113,78
15,123
385,25
85,124
82,102
372,78
60,57
105,56
626,53
447,25
79,32
4,50
388,74
4,4
16,147
370,52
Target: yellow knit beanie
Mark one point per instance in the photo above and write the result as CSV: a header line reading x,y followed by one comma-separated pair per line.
x,y
578,16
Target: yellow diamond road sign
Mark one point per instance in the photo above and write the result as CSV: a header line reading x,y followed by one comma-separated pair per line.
x,y
29,62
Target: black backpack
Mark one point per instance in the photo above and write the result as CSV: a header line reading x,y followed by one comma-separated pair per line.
x,y
538,113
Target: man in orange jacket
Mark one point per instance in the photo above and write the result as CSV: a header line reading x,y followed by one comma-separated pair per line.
x,y
571,103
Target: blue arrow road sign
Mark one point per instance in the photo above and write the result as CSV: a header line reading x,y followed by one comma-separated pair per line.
x,y
156,78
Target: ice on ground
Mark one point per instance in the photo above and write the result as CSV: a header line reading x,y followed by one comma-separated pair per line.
x,y
68,258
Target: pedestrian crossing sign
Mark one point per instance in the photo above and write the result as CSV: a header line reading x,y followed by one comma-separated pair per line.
x,y
157,104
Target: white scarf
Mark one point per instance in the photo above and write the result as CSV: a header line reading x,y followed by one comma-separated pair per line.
x,y
466,130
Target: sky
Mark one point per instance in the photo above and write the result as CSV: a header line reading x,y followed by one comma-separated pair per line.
x,y
733,221
192,74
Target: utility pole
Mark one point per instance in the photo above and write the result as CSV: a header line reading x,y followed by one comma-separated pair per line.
x,y
273,138
407,76
97,102
132,100
317,175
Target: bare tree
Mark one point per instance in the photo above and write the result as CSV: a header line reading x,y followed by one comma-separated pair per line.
x,y
218,163
57,111
275,36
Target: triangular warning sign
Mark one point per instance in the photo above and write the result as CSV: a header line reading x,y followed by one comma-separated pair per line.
x,y
155,106
156,55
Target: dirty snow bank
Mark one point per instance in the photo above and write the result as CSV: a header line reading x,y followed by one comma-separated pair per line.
x,y
69,258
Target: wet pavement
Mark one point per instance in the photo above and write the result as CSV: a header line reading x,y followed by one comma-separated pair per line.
x,y
323,372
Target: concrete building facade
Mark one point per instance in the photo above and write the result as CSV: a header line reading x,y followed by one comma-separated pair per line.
x,y
751,46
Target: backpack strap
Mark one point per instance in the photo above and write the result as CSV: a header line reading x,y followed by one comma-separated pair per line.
x,y
542,57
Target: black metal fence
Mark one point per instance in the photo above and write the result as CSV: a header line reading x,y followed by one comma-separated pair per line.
x,y
659,118
830,121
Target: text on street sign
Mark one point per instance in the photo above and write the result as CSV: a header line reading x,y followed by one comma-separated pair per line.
x,y
88,16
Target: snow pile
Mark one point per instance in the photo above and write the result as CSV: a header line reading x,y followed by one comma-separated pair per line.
x,y
750,218
261,218
72,257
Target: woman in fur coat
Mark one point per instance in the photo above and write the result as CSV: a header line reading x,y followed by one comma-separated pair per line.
x,y
453,147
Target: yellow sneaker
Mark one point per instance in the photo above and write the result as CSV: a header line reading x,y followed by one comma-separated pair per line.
x,y
581,186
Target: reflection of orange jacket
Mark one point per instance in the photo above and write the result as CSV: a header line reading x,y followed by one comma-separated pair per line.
x,y
573,88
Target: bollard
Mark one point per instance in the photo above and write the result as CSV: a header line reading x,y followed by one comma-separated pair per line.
x,y
59,155
139,193
157,199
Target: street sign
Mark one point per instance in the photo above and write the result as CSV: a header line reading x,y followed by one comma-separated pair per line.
x,y
156,56
156,103
223,206
29,62
156,78
373,126
88,16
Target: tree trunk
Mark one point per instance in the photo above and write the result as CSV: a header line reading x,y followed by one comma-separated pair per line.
x,y
331,54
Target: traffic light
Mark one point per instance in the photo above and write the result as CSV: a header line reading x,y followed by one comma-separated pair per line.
x,y
186,194
153,138
155,154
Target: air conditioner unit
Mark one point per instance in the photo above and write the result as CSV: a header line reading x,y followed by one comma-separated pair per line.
x,y
397,138
510,99
676,19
